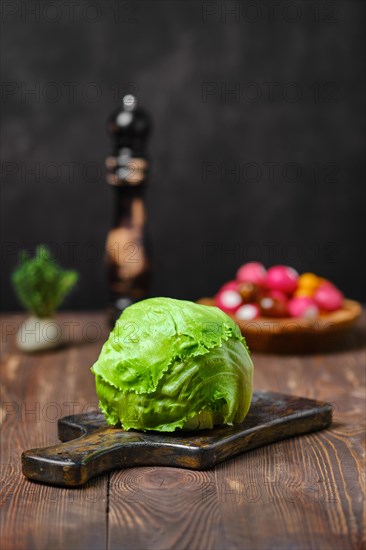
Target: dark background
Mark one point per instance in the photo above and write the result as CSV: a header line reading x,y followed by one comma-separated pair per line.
x,y
271,91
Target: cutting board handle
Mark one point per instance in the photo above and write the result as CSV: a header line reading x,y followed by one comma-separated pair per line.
x,y
74,462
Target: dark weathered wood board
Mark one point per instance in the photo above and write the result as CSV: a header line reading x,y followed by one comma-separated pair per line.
x,y
303,493
35,391
92,447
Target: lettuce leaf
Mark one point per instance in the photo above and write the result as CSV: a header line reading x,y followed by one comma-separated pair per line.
x,y
172,364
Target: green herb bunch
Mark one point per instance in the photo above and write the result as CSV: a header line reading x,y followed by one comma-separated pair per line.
x,y
41,284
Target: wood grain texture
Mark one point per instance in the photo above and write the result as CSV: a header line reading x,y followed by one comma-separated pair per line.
x,y
36,391
303,493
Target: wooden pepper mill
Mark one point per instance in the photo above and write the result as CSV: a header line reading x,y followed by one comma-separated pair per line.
x,y
128,263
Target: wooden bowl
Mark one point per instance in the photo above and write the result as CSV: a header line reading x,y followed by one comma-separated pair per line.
x,y
290,335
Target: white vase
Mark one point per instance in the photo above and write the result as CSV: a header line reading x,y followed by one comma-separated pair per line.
x,y
37,334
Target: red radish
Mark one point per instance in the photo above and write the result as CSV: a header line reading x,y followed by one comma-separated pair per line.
x,y
303,307
252,272
247,312
328,297
228,300
282,277
230,285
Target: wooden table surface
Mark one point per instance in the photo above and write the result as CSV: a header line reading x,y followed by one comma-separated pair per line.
x,y
297,494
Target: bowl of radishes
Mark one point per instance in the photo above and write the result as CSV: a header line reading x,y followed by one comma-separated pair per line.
x,y
280,310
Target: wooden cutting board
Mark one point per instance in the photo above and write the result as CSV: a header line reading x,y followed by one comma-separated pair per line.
x,y
91,447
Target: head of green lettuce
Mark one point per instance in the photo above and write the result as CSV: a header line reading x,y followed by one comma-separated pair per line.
x,y
172,364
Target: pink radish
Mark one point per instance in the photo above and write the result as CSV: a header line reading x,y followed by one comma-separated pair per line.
x,y
328,297
228,300
303,307
247,312
252,272
283,278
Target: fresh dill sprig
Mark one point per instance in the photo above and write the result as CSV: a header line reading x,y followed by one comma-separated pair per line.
x,y
41,284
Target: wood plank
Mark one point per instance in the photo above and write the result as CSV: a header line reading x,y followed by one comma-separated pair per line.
x,y
330,462
36,391
159,508
294,494
303,493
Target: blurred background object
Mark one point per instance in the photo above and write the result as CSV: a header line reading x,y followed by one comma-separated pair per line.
x,y
127,255
41,286
258,148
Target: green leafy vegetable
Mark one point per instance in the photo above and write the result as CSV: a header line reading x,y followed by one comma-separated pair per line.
x,y
174,364
41,285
